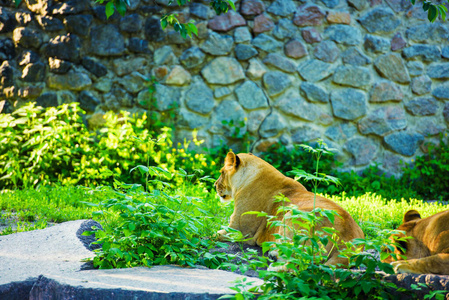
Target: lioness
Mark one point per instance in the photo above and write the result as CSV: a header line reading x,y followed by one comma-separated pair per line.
x,y
254,183
428,250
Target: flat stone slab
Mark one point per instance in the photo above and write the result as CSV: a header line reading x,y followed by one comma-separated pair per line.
x,y
48,262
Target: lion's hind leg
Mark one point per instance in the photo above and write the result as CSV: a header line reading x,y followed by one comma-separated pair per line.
x,y
434,264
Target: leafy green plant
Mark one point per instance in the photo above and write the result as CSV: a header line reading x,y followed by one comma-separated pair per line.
x,y
429,174
156,227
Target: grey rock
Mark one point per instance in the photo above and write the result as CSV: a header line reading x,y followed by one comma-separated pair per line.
x,y
7,20
380,19
28,57
88,101
398,42
164,56
266,43
446,112
226,21
403,142
153,31
192,57
251,96
273,124
341,131
66,97
103,85
134,82
255,119
78,24
315,70
428,126
399,5
445,52
441,92
66,47
6,74
376,44
7,49
200,10
438,71
199,98
49,23
297,107
343,34
252,7
285,29
352,76
70,81
242,35
34,72
327,51
93,66
304,134
314,93
357,4
295,49
421,85
222,91
415,68
70,7
282,8
244,52
178,76
59,66
276,82
280,62
311,35
348,104
423,52
363,150
127,66
149,10
383,121
223,70
331,3
354,56
225,112
167,97
48,99
436,32
218,44
308,15
391,66
191,120
106,40
384,91
137,45
131,23
422,106
27,38
256,69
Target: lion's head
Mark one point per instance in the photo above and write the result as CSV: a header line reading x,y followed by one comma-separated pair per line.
x,y
411,247
224,183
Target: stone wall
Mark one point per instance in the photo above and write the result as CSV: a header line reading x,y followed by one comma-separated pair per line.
x,y
366,76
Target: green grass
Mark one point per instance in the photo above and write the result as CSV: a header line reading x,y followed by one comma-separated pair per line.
x,y
35,209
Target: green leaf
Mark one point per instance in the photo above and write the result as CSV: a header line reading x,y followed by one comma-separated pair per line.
x,y
164,23
109,9
432,14
17,2
121,7
231,3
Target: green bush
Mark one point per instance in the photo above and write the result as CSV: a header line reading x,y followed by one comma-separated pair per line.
x,y
49,146
429,175
165,225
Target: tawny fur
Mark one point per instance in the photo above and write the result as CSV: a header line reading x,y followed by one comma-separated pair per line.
x,y
254,183
428,250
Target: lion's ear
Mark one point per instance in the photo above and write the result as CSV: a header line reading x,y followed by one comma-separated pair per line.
x,y
411,215
232,160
